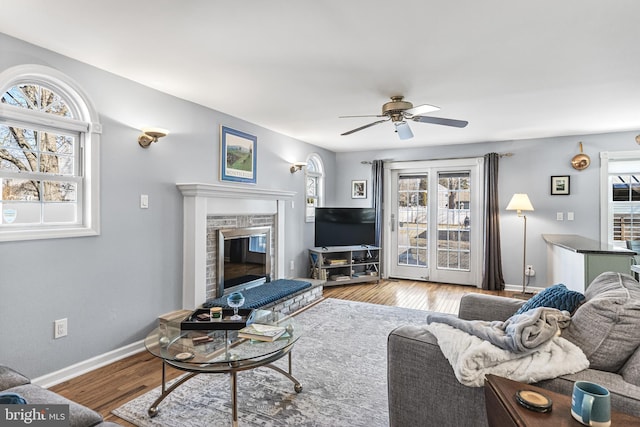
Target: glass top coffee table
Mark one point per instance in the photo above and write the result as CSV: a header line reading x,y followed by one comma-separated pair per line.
x,y
221,351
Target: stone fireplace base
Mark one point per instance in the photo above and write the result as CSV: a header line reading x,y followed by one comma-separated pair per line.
x,y
291,297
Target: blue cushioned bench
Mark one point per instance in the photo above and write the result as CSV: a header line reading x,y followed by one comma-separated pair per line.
x,y
263,295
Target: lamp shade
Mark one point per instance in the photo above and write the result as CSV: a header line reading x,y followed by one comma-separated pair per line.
x,y
520,202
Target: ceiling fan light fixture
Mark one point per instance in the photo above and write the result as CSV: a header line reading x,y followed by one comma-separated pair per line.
x,y
399,111
403,130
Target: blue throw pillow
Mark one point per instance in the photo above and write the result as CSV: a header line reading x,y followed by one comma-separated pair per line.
x,y
11,399
556,296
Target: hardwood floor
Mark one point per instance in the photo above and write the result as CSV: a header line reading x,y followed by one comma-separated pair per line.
x,y
106,388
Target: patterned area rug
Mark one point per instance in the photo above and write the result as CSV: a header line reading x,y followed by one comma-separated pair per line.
x,y
340,362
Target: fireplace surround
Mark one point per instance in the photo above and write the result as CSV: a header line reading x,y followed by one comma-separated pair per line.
x,y
210,207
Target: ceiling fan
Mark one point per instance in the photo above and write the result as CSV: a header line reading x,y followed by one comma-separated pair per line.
x,y
399,111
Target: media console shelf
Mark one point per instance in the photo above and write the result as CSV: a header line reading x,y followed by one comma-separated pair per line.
x,y
341,265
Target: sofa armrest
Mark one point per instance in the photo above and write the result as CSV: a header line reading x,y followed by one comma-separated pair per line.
x,y
10,378
487,307
423,389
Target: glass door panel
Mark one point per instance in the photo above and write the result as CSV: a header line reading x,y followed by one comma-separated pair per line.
x,y
454,220
412,213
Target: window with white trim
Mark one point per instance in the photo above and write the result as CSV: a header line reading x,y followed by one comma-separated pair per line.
x,y
48,156
314,186
620,189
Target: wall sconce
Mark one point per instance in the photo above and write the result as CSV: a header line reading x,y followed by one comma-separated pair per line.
x,y
150,135
297,166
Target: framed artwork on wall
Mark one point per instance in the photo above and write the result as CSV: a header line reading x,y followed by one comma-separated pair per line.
x,y
560,185
238,156
359,189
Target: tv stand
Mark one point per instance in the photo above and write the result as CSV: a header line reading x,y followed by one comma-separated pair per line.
x,y
342,265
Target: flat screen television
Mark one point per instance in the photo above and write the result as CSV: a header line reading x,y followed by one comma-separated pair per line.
x,y
345,226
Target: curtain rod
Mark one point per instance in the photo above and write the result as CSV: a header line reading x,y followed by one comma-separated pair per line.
x,y
369,162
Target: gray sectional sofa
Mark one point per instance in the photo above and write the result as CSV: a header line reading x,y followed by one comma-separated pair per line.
x,y
12,381
423,390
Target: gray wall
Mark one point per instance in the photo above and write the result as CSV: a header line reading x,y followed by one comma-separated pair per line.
x,y
527,171
112,287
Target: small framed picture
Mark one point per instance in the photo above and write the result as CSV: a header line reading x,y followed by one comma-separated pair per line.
x,y
238,156
359,189
560,185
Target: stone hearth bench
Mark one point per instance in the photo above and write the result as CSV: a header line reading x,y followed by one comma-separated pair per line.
x,y
282,295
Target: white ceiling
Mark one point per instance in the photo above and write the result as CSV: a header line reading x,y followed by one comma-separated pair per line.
x,y
513,69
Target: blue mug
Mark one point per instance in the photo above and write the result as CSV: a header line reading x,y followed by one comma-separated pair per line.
x,y
591,404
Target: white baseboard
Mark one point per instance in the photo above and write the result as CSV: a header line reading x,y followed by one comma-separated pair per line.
x,y
88,365
518,288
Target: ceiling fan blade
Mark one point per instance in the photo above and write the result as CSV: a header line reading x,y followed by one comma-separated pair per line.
x,y
403,130
440,121
363,127
350,117
421,109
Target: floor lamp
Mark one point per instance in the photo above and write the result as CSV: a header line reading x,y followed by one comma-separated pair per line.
x,y
520,202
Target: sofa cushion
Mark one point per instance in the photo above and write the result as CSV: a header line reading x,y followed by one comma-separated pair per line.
x,y
605,327
631,369
11,378
556,296
79,416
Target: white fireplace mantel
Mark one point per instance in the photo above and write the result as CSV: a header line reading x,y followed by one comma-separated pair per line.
x,y
202,200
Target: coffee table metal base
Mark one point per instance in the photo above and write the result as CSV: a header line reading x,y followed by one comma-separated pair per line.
x,y
231,368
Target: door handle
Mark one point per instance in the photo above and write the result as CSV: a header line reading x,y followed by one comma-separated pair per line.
x,y
393,222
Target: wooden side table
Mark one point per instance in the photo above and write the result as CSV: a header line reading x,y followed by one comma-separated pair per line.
x,y
503,409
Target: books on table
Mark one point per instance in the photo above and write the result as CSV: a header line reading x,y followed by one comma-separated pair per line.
x,y
258,331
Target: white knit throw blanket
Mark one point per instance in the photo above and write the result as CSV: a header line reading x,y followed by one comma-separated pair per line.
x,y
472,358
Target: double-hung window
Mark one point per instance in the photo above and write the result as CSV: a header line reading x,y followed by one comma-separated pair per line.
x,y
314,186
48,157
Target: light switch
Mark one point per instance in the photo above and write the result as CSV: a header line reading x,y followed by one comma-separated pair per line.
x,y
569,216
144,201
560,216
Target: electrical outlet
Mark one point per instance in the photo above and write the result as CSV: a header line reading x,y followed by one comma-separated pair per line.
x,y
291,265
60,328
529,271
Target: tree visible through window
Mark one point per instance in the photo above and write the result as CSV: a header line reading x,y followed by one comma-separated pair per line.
x,y
38,166
43,162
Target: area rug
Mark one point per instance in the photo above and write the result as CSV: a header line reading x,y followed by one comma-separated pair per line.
x,y
340,362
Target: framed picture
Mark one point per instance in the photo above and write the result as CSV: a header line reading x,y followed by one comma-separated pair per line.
x,y
560,185
238,156
359,189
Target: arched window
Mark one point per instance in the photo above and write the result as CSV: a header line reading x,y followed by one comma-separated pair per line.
x,y
314,186
49,146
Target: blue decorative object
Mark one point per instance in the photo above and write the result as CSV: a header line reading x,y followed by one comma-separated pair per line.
x,y
556,296
12,399
264,294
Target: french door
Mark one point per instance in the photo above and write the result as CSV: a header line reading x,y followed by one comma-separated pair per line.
x,y
433,221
